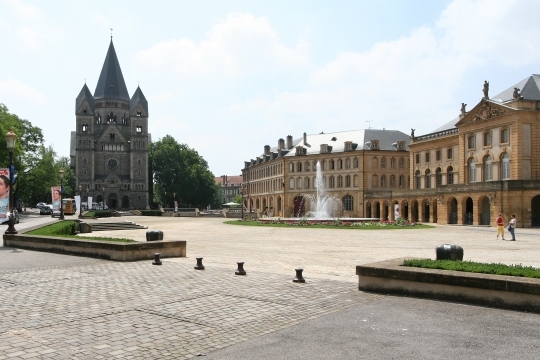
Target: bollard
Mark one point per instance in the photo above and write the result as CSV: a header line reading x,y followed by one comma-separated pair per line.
x,y
240,270
298,278
199,266
156,259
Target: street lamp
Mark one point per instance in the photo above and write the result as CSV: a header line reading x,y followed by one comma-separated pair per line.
x,y
165,199
174,201
103,200
80,201
61,175
10,140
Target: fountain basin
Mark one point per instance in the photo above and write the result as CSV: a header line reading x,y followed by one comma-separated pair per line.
x,y
293,220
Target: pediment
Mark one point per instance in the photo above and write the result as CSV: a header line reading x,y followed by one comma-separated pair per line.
x,y
106,137
485,110
85,106
113,179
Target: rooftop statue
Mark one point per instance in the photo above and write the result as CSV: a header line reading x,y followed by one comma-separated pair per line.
x,y
486,89
463,111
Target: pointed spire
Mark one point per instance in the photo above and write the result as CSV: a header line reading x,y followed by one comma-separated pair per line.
x,y
138,97
84,94
111,83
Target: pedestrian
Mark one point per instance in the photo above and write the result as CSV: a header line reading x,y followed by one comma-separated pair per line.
x,y
512,227
500,227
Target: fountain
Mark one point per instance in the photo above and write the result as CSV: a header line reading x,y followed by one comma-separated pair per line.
x,y
322,207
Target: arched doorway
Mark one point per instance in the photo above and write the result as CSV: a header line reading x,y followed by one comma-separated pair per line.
x,y
435,217
414,211
468,213
125,202
405,210
112,201
386,213
452,211
535,211
485,215
426,210
368,210
376,210
299,206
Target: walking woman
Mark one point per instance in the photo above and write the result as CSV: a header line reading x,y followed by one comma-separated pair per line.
x,y
500,227
512,227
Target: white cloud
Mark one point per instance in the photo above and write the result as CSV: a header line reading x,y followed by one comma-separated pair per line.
x,y
15,91
239,45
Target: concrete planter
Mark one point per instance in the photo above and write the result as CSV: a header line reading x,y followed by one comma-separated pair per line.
x,y
100,249
508,292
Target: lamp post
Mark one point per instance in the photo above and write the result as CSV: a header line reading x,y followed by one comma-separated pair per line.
x,y
165,199
174,201
10,140
61,175
80,201
103,200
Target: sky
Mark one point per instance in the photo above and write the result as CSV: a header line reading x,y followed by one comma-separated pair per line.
x,y
228,77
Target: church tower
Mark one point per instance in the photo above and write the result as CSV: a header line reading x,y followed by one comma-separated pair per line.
x,y
109,148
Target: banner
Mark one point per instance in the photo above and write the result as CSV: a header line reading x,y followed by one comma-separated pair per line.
x,y
55,195
5,186
78,201
89,201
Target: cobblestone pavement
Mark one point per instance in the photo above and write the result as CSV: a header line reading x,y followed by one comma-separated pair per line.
x,y
101,309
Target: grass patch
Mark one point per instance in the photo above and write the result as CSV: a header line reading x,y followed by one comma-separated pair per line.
x,y
332,225
66,229
150,212
475,267
99,213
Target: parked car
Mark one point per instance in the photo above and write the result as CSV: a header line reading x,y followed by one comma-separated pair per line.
x,y
40,205
45,210
6,219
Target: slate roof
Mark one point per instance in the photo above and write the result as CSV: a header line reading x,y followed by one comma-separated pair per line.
x,y
530,90
449,125
84,94
111,84
233,179
138,97
359,138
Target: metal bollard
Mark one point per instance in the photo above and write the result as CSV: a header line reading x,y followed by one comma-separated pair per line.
x,y
298,278
156,259
240,270
199,266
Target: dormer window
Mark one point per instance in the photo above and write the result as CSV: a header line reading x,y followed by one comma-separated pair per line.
x,y
299,150
401,145
139,128
374,144
348,145
324,148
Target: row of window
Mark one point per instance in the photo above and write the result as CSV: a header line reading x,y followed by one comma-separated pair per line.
x,y
450,178
391,183
324,164
438,156
264,172
333,182
383,161
85,127
487,169
504,139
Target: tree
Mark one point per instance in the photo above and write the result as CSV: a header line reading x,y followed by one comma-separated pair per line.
x,y
181,170
238,199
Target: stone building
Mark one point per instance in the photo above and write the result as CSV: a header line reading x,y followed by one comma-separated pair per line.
x,y
109,148
353,163
485,162
230,187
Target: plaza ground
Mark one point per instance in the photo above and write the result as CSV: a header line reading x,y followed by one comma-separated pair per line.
x,y
57,306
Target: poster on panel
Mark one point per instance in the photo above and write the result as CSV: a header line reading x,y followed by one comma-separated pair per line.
x,y
55,194
5,186
89,202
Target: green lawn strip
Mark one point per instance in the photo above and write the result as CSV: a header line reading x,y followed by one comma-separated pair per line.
x,y
67,229
99,213
475,267
363,227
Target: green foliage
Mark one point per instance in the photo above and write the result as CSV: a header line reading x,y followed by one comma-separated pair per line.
x,y
179,170
475,267
60,228
99,213
238,199
150,212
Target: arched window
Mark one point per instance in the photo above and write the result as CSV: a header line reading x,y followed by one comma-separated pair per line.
x,y
332,184
418,179
401,163
392,163
450,175
487,169
472,170
348,203
348,181
505,168
340,181
428,179
438,176
299,167
383,181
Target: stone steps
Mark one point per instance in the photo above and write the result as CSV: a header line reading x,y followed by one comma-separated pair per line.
x,y
121,225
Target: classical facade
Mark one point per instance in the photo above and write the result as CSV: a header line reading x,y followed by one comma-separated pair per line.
x,y
352,163
484,162
230,187
109,148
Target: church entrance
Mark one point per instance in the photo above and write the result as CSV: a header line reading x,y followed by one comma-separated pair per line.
x,y
125,202
112,201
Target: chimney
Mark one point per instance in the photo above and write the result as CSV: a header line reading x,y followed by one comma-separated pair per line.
x,y
266,149
289,142
281,144
246,164
305,139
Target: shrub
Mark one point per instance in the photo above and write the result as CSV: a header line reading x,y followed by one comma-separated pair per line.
x,y
99,213
59,228
151,212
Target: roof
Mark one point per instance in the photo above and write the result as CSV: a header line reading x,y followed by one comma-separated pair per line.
x,y
111,84
84,94
449,125
530,90
138,97
234,179
359,138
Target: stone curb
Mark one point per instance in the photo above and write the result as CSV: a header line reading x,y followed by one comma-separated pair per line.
x,y
507,292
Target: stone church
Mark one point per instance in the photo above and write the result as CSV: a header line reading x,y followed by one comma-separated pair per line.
x,y
109,148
